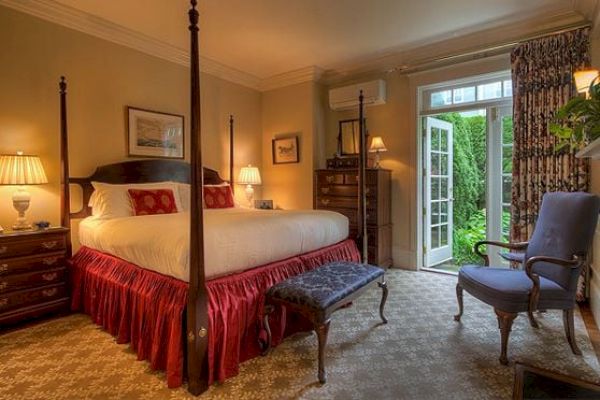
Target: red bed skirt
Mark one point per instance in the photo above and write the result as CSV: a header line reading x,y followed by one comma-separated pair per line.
x,y
147,309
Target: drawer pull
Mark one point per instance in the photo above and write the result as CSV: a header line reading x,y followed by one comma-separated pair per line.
x,y
3,285
50,260
325,190
329,178
3,249
367,190
50,245
3,268
50,277
49,292
325,201
3,302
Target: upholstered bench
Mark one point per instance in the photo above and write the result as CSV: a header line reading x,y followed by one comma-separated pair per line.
x,y
318,293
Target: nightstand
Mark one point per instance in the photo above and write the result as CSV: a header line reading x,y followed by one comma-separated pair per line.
x,y
33,274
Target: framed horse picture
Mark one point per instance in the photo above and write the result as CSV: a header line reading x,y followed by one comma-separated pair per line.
x,y
285,150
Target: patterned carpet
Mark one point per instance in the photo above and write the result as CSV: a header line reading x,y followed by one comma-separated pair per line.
x,y
421,354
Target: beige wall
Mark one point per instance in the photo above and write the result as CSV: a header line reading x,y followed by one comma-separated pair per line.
x,y
595,188
396,122
103,79
286,112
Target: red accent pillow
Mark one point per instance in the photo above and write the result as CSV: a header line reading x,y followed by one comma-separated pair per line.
x,y
218,197
152,201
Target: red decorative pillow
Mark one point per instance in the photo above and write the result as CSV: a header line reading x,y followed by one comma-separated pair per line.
x,y
218,197
152,201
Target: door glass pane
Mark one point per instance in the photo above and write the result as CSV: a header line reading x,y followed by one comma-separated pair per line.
x,y
444,140
489,91
444,164
507,154
506,223
444,188
435,139
435,188
435,213
507,129
464,95
441,98
435,237
506,189
435,163
444,235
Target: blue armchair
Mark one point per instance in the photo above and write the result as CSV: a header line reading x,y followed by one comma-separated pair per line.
x,y
552,263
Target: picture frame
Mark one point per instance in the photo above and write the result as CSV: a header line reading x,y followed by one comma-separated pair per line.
x,y
285,150
263,204
155,134
349,136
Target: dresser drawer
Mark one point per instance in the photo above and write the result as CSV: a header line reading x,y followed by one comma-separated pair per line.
x,y
22,298
326,177
351,178
325,202
345,190
33,244
21,264
32,279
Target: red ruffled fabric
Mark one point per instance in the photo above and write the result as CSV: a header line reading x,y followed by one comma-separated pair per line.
x,y
147,309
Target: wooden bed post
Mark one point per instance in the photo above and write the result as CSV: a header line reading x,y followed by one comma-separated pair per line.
x,y
231,179
362,192
197,312
65,198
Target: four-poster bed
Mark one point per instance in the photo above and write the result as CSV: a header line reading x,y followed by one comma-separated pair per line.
x,y
145,306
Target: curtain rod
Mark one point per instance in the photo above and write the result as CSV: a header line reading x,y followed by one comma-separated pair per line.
x,y
484,52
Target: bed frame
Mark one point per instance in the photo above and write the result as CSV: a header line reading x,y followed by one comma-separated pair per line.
x,y
141,171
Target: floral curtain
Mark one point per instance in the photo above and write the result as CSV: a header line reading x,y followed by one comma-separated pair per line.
x,y
542,76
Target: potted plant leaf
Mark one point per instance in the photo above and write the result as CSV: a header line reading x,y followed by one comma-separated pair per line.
x,y
577,123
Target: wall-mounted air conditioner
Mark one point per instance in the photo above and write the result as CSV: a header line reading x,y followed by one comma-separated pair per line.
x,y
346,97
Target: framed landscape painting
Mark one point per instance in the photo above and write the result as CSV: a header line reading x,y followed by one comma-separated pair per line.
x,y
155,134
285,151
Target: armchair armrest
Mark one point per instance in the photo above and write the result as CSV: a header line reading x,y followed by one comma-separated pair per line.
x,y
511,246
535,290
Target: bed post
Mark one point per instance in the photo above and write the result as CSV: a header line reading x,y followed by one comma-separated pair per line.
x,y
362,192
197,312
65,199
231,181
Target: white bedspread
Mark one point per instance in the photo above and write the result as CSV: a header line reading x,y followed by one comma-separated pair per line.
x,y
235,239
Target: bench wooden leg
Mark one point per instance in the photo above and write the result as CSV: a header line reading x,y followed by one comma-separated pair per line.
x,y
384,295
322,332
267,346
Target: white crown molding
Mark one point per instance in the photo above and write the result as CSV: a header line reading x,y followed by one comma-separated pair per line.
x,y
307,74
72,18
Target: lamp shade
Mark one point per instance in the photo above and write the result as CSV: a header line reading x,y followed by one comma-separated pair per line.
x,y
249,176
21,169
584,78
377,144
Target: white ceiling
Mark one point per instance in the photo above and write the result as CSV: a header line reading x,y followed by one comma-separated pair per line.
x,y
270,37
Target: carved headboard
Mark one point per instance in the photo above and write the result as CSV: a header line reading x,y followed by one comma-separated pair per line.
x,y
139,171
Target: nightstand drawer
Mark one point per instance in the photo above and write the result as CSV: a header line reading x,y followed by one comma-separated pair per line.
x,y
33,244
18,265
22,298
32,279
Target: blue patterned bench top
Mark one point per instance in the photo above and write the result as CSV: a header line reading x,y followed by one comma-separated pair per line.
x,y
326,285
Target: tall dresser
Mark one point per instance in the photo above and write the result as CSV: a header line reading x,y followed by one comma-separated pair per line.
x,y
337,190
33,274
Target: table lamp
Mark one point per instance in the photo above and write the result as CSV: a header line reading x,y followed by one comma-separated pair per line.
x,y
249,176
377,146
21,170
584,79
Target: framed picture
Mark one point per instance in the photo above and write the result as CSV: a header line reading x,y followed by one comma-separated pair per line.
x,y
155,134
349,136
263,204
285,151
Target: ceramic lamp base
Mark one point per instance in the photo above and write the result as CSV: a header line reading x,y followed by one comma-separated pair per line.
x,y
250,195
21,199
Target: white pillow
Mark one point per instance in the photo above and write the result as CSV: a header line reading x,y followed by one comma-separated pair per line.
x,y
112,201
185,195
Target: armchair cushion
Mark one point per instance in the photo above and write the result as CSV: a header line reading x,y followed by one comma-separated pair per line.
x,y
508,289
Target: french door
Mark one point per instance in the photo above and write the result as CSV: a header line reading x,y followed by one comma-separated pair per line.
x,y
438,191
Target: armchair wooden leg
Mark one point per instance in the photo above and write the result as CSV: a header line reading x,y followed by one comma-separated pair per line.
x,y
505,321
322,332
459,297
568,321
384,295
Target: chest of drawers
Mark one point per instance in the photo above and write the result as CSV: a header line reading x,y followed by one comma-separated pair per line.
x,y
33,274
337,190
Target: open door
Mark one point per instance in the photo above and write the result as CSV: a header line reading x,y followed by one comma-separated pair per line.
x,y
438,191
